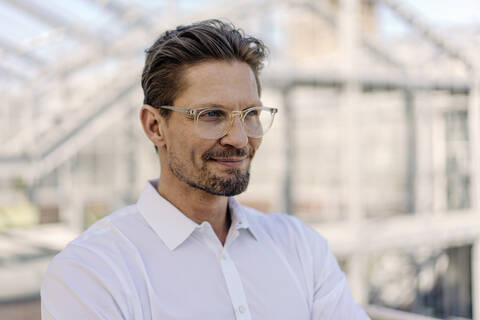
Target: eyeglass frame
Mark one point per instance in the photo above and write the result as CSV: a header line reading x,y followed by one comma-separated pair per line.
x,y
194,113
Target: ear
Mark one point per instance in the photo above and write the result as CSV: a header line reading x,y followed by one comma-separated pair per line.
x,y
153,125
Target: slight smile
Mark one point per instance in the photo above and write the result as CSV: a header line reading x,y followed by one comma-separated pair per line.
x,y
230,162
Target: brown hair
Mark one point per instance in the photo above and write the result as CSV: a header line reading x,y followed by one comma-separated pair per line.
x,y
184,46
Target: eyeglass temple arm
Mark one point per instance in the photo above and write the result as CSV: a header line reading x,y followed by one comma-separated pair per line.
x,y
190,112
193,112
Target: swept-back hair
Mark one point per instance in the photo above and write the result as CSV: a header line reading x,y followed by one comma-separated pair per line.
x,y
175,50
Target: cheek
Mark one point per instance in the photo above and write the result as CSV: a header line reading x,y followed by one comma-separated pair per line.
x,y
197,150
194,156
255,143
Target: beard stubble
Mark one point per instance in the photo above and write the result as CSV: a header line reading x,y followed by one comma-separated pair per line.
x,y
233,183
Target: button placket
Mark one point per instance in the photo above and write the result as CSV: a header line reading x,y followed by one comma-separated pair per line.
x,y
235,287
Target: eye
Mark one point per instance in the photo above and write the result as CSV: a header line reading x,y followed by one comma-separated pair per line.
x,y
253,113
212,115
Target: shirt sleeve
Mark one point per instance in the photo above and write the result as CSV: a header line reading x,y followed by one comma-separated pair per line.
x,y
80,285
332,298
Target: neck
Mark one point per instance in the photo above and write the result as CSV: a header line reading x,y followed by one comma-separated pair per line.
x,y
198,205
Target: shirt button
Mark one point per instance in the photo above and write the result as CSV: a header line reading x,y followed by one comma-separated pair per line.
x,y
224,257
241,309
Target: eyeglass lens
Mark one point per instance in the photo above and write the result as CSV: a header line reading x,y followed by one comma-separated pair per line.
x,y
213,123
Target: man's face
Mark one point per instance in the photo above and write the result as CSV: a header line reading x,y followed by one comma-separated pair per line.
x,y
217,166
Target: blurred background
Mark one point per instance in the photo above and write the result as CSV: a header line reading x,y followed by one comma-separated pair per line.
x,y
376,145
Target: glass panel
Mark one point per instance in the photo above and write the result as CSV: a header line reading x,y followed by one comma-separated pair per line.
x,y
257,122
213,115
211,123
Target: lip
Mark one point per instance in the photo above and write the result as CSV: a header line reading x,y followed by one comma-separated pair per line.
x,y
230,162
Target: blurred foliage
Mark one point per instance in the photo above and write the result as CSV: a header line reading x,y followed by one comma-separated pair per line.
x,y
18,184
20,214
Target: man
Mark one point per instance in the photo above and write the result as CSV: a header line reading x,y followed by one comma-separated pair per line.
x,y
187,249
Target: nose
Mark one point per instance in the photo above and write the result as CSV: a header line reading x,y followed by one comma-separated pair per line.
x,y
235,136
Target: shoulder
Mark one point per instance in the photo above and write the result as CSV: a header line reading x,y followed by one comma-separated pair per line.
x,y
100,255
108,228
287,230
101,244
91,275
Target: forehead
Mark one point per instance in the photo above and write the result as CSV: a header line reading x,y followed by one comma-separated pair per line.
x,y
230,84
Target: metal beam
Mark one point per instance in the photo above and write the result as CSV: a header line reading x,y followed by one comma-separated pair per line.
x,y
382,313
413,19
411,147
70,143
349,35
368,83
18,51
129,43
128,14
476,280
51,19
11,74
290,150
403,232
474,138
326,12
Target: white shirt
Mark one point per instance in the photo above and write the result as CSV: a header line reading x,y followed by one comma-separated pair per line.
x,y
150,261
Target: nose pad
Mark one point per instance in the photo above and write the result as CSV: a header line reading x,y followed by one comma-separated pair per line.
x,y
232,136
236,114
232,120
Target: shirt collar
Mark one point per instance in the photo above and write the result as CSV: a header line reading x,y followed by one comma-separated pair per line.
x,y
171,225
239,217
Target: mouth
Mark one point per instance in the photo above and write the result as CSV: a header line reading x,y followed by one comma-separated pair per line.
x,y
230,162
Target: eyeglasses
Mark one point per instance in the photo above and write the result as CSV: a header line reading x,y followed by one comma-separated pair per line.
x,y
215,122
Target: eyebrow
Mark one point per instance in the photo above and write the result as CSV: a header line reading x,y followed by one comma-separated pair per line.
x,y
218,105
